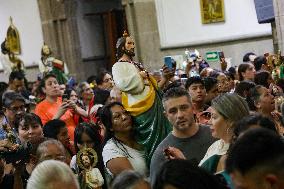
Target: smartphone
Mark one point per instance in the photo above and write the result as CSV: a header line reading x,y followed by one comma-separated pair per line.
x,y
65,97
183,80
168,62
221,55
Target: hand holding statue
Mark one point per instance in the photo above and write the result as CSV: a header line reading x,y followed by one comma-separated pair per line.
x,y
6,145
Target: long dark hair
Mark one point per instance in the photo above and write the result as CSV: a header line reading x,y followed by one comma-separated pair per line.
x,y
27,118
241,69
105,115
252,120
253,96
243,88
261,78
93,131
90,129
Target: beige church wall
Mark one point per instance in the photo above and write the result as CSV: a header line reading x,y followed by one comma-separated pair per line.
x,y
26,18
143,25
180,23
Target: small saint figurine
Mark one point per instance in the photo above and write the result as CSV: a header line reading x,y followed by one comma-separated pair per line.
x,y
91,177
50,64
12,139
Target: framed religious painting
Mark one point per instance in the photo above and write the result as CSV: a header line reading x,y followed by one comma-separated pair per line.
x,y
212,11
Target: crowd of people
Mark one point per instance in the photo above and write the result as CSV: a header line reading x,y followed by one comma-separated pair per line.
x,y
131,128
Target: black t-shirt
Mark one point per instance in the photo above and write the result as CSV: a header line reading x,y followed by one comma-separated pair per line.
x,y
25,176
7,183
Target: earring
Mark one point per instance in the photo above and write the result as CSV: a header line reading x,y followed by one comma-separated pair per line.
x,y
228,130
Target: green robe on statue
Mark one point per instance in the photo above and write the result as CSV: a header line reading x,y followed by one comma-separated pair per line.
x,y
144,101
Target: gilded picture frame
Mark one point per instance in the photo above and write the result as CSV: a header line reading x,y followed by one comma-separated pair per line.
x,y
212,11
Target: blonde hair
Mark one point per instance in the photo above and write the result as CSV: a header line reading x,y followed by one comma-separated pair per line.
x,y
49,172
231,106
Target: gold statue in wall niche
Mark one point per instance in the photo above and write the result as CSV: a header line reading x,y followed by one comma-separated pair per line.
x,y
212,11
10,48
13,39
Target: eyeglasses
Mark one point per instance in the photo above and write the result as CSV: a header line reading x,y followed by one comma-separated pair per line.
x,y
17,109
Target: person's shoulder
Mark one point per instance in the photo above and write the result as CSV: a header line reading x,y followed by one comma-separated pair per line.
x,y
112,147
42,104
158,155
205,132
41,107
219,142
167,140
109,144
112,151
165,143
216,144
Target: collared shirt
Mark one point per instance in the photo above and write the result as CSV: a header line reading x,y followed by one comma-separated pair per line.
x,y
220,147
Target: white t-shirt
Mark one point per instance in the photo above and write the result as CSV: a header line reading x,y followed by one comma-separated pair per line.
x,y
73,163
135,157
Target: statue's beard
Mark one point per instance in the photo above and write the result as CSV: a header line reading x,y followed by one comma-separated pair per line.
x,y
129,53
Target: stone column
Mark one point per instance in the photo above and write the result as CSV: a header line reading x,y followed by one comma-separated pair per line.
x,y
279,22
60,32
143,26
